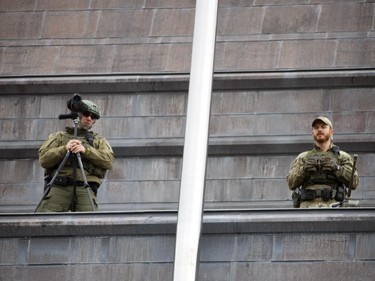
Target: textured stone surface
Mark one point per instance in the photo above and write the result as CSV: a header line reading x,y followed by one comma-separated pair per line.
x,y
346,17
290,19
240,20
20,25
243,113
79,59
23,61
69,24
251,35
147,120
233,246
278,63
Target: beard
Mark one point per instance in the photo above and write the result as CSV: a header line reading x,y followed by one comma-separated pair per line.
x,y
321,138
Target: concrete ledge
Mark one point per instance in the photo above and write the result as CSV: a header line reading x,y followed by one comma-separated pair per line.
x,y
180,82
275,145
215,221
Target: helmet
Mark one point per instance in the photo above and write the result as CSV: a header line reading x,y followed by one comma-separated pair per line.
x,y
90,107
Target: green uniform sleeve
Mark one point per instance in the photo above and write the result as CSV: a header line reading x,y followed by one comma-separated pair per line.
x,y
52,151
346,167
100,154
296,175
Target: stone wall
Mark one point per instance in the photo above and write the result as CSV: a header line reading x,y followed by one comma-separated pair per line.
x,y
249,245
44,37
254,136
278,65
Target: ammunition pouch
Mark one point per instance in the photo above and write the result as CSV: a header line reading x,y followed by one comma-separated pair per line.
x,y
94,186
92,169
311,194
46,182
340,193
308,194
326,194
296,196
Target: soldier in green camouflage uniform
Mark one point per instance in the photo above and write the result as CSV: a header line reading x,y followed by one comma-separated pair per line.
x,y
322,174
97,157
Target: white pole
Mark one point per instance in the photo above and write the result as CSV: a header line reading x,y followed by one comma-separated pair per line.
x,y
196,142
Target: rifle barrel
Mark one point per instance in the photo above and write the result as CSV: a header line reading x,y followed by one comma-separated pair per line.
x,y
355,157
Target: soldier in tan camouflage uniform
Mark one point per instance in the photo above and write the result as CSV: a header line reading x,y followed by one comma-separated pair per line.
x,y
320,177
97,157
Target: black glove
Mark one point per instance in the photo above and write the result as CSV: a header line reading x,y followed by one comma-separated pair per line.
x,y
310,166
329,165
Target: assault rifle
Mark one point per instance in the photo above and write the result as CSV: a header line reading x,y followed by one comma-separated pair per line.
x,y
347,202
350,187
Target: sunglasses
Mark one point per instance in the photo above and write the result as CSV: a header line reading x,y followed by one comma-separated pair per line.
x,y
87,114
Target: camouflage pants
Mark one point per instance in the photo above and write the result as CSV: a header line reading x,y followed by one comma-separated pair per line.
x,y
59,199
317,203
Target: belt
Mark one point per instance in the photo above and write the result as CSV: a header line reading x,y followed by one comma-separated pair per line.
x,y
65,181
70,181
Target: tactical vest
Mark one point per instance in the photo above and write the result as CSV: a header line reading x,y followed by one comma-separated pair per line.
x,y
87,165
321,177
